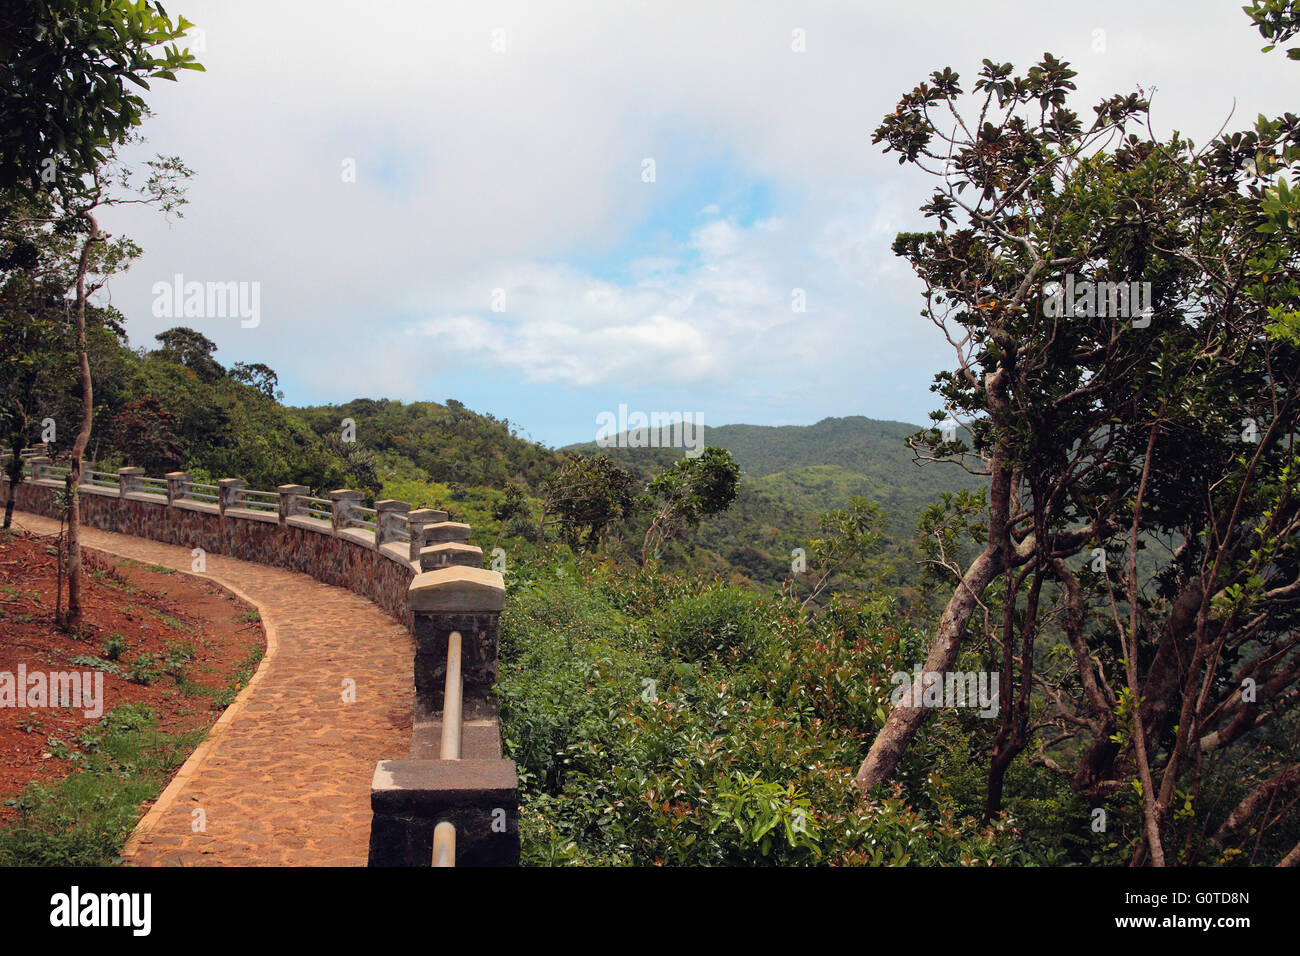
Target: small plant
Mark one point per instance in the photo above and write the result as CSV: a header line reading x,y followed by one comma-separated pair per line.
x,y
243,674
172,622
251,617
176,661
114,646
31,724
143,670
86,660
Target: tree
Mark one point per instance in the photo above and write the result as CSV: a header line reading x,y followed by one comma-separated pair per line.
x,y
259,376
853,535
513,505
146,432
193,350
1112,417
586,495
689,491
64,70
72,211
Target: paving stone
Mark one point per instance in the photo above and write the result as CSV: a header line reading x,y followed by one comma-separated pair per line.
x,y
296,752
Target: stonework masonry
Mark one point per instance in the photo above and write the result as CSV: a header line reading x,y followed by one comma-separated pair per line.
x,y
332,541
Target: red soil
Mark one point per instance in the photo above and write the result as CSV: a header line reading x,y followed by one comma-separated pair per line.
x,y
147,610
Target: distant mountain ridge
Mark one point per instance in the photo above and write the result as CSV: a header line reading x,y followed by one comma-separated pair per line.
x,y
872,454
793,473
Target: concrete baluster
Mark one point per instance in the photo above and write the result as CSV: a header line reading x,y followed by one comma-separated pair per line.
x,y
230,494
344,505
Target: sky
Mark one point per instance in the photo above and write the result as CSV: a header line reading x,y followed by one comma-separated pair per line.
x,y
546,211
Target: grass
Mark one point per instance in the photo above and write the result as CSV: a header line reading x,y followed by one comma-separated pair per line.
x,y
172,622
86,818
243,674
109,578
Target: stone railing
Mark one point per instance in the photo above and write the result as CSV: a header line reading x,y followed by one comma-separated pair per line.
x,y
416,565
454,798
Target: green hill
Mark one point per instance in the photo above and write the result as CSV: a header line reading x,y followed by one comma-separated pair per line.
x,y
792,474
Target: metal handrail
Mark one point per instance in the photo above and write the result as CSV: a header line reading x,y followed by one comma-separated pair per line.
x,y
451,700
267,500
444,834
444,844
357,518
187,491
99,479
307,505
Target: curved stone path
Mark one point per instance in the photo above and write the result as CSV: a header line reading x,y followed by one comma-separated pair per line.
x,y
283,778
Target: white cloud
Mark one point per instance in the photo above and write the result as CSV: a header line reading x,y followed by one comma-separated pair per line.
x,y
479,170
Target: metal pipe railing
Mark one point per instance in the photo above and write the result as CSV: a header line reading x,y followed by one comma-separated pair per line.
x,y
444,844
451,700
444,834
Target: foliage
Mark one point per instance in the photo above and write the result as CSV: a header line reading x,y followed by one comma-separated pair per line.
x,y
145,432
85,818
1278,21
585,496
851,535
1121,312
660,720
65,66
692,489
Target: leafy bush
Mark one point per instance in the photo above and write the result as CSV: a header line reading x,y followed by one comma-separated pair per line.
x,y
662,721
712,623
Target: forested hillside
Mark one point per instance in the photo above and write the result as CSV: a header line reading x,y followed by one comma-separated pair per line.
x,y
178,406
793,474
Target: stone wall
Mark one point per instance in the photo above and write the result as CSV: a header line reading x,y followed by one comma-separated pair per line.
x,y
346,558
434,583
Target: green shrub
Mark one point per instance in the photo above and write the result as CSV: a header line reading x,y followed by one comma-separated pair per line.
x,y
114,646
657,720
712,623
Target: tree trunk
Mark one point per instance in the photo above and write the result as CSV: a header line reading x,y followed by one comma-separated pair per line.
x,y
83,434
1013,735
903,721
14,469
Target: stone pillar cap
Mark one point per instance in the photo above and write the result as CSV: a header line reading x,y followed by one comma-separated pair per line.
x,y
452,547
292,489
230,482
131,470
339,494
391,504
448,525
427,515
39,459
457,590
177,474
